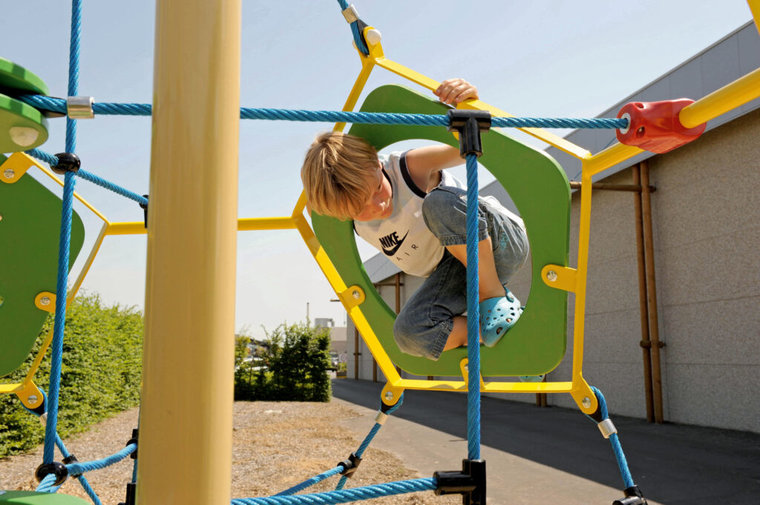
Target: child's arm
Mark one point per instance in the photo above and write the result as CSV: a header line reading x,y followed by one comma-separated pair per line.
x,y
425,163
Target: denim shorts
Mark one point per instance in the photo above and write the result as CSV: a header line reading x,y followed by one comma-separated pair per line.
x,y
425,322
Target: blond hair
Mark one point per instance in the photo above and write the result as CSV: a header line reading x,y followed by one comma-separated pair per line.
x,y
335,174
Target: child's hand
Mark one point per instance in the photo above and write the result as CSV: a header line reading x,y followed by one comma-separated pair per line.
x,y
455,91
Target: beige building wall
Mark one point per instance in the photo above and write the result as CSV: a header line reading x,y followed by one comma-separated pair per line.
x,y
706,225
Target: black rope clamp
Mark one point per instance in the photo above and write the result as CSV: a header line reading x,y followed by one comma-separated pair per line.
x,y
67,162
144,207
58,469
470,482
131,493
69,460
133,440
350,465
469,124
633,496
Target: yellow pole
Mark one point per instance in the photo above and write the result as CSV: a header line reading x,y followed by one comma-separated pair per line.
x,y
186,416
720,101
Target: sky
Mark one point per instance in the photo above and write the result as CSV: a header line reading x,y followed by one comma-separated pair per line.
x,y
548,59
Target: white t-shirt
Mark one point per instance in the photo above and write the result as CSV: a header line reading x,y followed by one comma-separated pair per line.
x,y
404,237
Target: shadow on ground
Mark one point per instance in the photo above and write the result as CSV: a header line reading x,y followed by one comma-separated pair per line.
x,y
672,464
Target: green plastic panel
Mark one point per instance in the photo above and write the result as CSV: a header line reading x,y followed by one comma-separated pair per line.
x,y
22,126
541,192
17,77
33,498
29,230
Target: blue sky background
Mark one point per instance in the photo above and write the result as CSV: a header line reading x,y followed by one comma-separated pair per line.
x,y
551,59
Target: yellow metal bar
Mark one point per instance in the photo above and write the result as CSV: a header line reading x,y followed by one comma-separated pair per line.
x,y
754,6
90,259
130,228
266,223
581,393
28,161
190,290
431,84
611,156
722,100
367,65
354,311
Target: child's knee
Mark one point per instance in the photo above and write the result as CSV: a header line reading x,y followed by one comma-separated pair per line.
x,y
417,339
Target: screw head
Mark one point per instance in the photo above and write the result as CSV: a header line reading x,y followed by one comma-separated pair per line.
x,y
23,135
389,395
551,276
9,173
356,294
33,398
45,300
586,402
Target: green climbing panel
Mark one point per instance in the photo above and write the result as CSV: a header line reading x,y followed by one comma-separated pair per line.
x,y
540,190
33,498
30,221
22,126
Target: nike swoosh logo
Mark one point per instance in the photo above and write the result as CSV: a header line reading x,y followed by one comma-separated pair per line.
x,y
392,251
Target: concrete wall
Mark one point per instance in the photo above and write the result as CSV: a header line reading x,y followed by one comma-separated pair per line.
x,y
706,220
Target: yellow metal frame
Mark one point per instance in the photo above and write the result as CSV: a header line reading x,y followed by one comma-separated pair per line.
x,y
569,279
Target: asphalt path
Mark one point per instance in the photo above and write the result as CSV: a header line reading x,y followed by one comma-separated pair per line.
x,y
538,455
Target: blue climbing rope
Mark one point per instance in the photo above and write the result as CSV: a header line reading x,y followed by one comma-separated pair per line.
x,y
617,448
344,495
63,244
46,103
473,313
53,161
81,478
99,464
310,482
371,435
355,30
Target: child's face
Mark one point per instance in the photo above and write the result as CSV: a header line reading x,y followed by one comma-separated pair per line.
x,y
380,203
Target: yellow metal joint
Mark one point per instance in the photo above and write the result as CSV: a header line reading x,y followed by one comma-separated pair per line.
x,y
559,277
45,301
15,167
352,297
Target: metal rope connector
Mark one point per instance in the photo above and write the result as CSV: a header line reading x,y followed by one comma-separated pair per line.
x,y
381,417
350,14
607,428
80,107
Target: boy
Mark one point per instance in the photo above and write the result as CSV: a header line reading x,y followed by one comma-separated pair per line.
x,y
405,205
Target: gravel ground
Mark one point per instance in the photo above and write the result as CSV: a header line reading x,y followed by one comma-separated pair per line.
x,y
275,446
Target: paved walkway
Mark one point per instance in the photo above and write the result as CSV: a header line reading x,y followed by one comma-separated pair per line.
x,y
554,455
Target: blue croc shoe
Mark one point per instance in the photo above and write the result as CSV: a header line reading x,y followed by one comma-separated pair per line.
x,y
497,316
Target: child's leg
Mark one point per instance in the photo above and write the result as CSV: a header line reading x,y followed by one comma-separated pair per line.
x,y
489,284
432,313
444,212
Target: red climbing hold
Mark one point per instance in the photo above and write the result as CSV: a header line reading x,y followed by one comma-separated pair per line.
x,y
655,127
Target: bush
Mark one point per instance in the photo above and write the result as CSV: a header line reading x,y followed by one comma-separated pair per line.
x,y
290,366
100,374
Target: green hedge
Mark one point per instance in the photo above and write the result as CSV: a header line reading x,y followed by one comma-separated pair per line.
x,y
100,375
291,366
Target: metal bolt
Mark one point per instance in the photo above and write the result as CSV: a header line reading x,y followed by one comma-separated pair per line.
x,y
551,276
9,173
23,135
389,395
356,294
32,398
586,402
45,300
